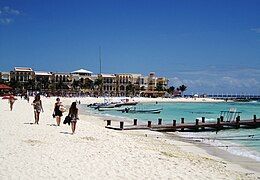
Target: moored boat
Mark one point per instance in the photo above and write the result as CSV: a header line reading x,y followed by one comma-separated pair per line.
x,y
134,110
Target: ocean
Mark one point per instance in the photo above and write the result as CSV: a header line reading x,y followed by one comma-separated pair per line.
x,y
242,142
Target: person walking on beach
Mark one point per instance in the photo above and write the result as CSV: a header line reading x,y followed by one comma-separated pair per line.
x,y
57,111
73,113
11,101
37,106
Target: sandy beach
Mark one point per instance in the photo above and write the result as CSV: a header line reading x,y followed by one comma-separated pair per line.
x,y
46,151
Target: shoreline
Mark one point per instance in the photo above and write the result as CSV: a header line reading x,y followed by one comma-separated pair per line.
x,y
245,162
96,152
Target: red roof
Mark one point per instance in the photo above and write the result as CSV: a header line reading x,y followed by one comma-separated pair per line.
x,y
3,86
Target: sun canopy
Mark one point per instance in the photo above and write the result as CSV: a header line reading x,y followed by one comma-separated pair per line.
x,y
3,86
81,71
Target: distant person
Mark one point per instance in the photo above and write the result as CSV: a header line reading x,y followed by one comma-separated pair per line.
x,y
37,106
73,113
57,111
11,101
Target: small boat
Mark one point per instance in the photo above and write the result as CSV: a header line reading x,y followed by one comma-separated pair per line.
x,y
110,109
127,104
134,110
106,106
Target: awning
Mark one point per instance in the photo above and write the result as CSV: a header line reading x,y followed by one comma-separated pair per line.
x,y
3,86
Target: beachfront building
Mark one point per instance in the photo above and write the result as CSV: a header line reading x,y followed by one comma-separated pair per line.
x,y
151,82
62,80
124,83
143,83
82,73
22,74
128,84
108,85
81,79
42,79
155,87
5,76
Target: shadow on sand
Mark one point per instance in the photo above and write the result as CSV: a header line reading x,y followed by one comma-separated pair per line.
x,y
51,124
28,123
65,132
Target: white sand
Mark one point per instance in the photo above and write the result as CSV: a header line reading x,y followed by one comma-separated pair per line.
x,y
29,151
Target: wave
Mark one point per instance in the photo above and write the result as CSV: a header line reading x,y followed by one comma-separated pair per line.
x,y
224,143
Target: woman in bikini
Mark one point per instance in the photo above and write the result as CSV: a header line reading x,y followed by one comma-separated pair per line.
x,y
57,111
73,113
11,101
37,106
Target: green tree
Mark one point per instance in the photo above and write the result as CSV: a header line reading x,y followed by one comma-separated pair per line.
x,y
182,88
98,83
88,84
130,89
171,89
159,87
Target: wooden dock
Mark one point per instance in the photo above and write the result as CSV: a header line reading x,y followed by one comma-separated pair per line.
x,y
219,124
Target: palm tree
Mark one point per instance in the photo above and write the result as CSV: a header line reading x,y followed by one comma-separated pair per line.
x,y
159,87
88,84
182,88
171,89
98,83
130,89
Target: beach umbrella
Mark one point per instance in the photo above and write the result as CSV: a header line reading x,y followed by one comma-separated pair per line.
x,y
9,97
4,87
5,97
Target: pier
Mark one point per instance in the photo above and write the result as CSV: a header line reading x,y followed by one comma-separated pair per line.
x,y
197,126
235,96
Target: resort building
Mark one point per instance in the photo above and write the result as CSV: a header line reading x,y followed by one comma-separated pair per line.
x,y
5,76
156,86
123,82
108,84
143,83
41,76
83,81
82,73
22,74
61,80
82,78
128,84
151,82
42,79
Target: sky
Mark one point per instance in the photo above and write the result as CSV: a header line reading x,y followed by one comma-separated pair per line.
x,y
211,46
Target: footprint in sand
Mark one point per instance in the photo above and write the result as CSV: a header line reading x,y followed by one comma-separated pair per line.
x,y
88,138
33,142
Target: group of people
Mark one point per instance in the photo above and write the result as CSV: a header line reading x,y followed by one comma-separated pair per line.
x,y
73,113
57,113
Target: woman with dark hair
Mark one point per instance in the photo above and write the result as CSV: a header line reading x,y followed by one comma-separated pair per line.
x,y
37,106
73,113
11,101
57,111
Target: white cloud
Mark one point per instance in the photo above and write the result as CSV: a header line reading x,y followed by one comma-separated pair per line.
x,y
5,21
257,30
219,81
7,15
9,11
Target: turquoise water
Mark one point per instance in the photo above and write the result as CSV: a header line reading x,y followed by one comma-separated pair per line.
x,y
244,142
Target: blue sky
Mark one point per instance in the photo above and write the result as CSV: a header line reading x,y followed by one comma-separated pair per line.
x,y
209,45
